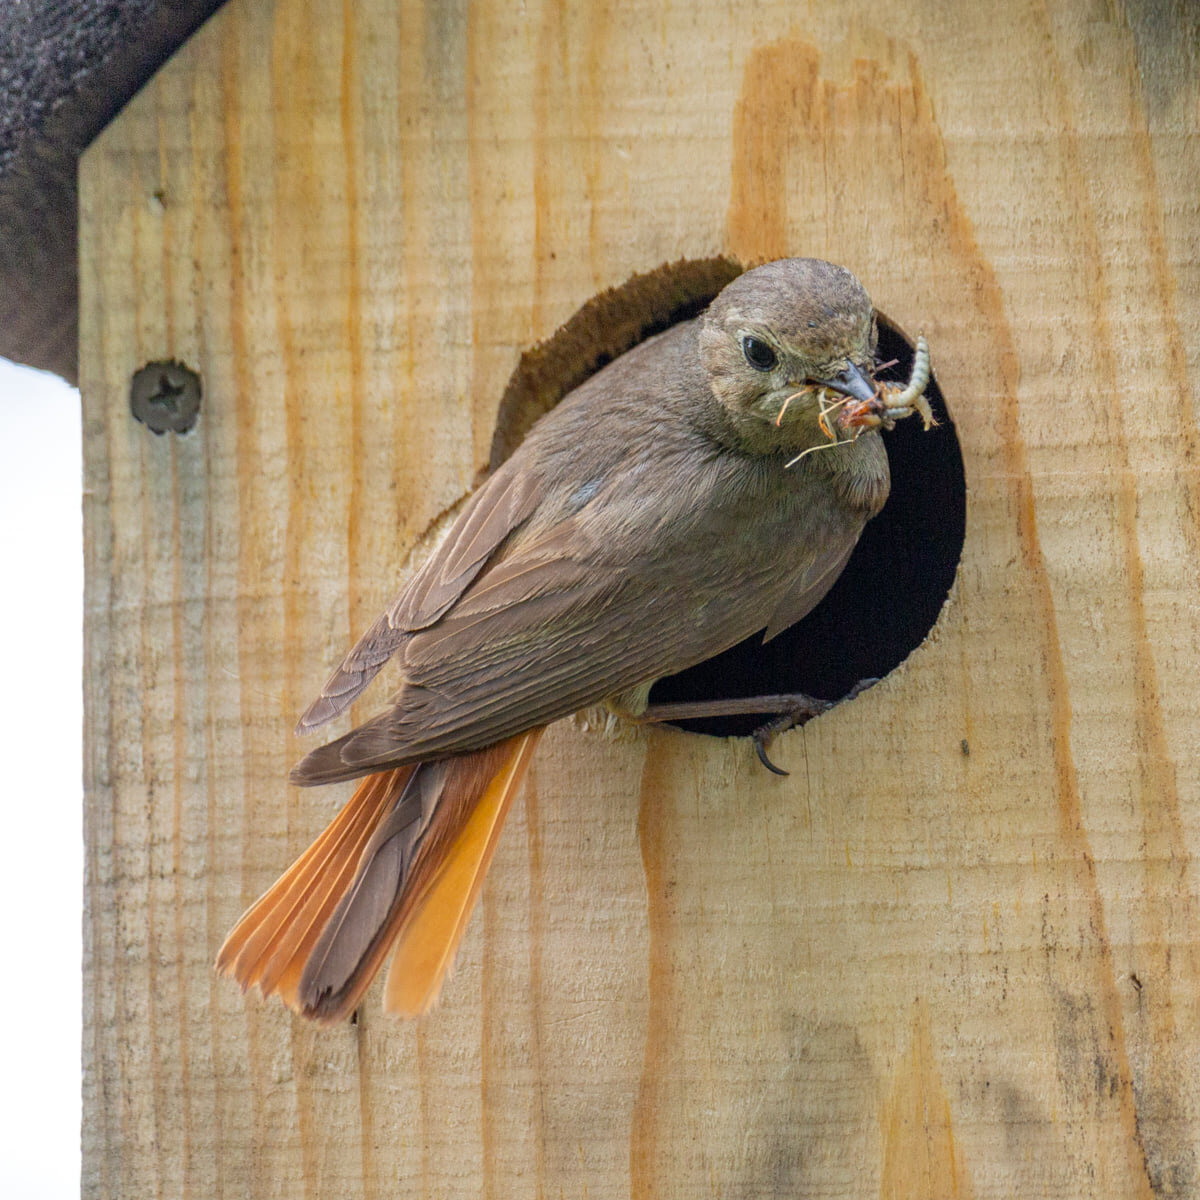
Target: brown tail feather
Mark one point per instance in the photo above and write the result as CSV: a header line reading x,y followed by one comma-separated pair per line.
x,y
437,916
402,862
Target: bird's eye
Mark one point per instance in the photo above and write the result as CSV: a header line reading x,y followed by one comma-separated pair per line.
x,y
758,354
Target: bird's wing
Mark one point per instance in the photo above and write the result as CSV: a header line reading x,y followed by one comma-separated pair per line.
x,y
560,623
497,509
810,587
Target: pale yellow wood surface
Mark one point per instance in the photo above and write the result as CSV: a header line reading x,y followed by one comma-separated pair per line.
x,y
900,972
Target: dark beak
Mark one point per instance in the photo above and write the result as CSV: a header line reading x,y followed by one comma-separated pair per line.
x,y
851,382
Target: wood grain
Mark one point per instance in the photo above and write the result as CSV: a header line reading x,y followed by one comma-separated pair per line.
x,y
903,971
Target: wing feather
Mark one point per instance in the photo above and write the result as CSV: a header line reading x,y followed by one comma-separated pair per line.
x,y
479,677
810,587
496,511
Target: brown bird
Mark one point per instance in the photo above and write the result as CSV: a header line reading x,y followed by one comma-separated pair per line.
x,y
710,483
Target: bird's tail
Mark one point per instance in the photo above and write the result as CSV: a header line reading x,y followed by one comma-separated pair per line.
x,y
400,866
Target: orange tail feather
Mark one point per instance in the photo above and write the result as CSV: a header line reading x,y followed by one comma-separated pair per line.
x,y
403,863
268,946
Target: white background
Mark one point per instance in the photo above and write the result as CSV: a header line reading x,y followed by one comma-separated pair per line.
x,y
41,837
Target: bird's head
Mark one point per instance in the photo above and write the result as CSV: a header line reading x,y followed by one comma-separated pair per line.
x,y
777,340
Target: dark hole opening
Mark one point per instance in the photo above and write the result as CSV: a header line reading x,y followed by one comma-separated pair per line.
x,y
893,588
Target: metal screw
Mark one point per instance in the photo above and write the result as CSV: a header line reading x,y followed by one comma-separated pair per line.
x,y
165,396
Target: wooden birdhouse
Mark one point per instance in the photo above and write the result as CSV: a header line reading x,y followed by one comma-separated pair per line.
x,y
955,951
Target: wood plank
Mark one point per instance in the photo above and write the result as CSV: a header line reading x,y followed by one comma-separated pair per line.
x,y
902,970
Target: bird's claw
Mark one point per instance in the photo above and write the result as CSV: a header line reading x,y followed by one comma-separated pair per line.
x,y
760,748
801,710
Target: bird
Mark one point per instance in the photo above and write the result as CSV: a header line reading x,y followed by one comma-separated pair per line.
x,y
708,484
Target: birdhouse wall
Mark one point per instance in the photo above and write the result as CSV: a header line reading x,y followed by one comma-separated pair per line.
x,y
955,952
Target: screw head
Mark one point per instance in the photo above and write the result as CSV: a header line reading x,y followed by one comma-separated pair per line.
x,y
165,397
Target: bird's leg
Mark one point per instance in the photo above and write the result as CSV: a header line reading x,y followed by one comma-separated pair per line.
x,y
803,706
790,708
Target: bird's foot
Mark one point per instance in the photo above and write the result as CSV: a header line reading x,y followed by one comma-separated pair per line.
x,y
798,713
791,709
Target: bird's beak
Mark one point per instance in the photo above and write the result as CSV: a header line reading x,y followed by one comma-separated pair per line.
x,y
851,382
